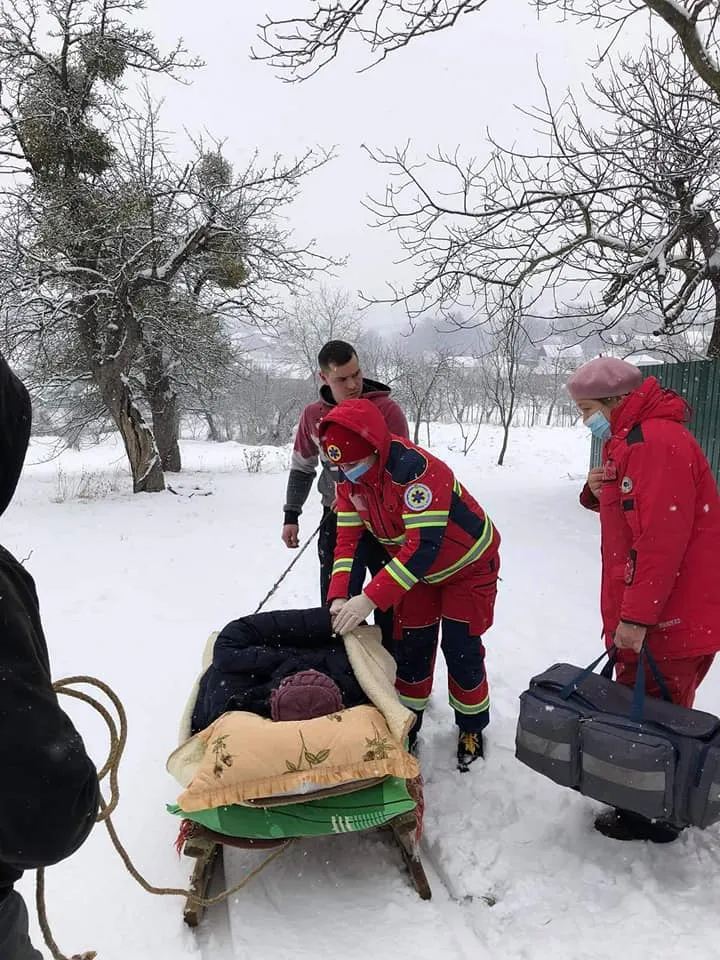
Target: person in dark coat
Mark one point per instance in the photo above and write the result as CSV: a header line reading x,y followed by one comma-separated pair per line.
x,y
253,655
49,792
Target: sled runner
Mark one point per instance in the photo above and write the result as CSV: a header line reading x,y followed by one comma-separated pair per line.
x,y
205,847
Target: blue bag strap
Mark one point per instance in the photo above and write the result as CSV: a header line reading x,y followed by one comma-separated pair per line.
x,y
659,679
638,700
607,670
568,690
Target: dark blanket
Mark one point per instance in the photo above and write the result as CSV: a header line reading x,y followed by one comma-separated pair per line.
x,y
254,654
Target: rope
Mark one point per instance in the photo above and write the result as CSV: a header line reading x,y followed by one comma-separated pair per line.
x,y
117,732
287,570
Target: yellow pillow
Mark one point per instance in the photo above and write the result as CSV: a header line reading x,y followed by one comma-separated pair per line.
x,y
242,757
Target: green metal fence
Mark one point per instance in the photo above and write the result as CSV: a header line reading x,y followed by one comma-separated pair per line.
x,y
699,382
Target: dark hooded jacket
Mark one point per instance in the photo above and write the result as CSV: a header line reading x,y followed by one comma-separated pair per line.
x,y
254,654
48,784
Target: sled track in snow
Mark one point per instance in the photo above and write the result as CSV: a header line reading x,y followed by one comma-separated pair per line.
x,y
213,936
348,889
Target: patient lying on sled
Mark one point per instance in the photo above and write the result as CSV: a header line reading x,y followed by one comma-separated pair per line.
x,y
283,665
342,726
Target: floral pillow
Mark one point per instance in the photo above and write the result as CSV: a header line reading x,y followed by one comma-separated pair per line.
x,y
243,757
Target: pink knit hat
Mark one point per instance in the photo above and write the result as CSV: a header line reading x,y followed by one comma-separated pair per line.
x,y
305,695
604,377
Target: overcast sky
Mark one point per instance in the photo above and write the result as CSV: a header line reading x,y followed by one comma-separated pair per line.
x,y
443,90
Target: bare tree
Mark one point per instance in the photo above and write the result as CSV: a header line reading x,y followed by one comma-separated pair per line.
x,y
617,219
240,278
314,319
266,406
301,46
328,314
462,388
694,25
204,387
419,385
375,353
503,367
304,45
110,250
546,382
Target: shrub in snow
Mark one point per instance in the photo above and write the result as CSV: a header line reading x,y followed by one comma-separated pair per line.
x,y
254,458
88,485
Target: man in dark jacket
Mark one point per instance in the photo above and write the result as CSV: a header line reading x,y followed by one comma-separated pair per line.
x,y
342,380
48,784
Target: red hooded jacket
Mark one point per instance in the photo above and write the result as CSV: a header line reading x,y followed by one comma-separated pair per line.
x,y
660,525
306,451
412,503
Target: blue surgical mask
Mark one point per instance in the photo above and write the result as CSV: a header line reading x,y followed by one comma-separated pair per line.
x,y
356,471
599,425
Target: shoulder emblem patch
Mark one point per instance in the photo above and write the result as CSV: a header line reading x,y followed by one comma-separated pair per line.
x,y
626,485
418,497
334,453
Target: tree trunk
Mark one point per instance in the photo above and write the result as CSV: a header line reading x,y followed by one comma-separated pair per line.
x,y
163,401
213,433
139,442
506,418
418,422
503,448
713,350
166,428
551,409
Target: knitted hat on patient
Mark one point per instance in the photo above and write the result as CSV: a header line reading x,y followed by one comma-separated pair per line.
x,y
305,695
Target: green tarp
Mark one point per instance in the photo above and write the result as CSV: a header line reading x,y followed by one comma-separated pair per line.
x,y
363,810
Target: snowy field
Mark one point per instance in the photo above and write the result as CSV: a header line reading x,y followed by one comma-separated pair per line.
x,y
130,587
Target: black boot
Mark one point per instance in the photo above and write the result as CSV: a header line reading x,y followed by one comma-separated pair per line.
x,y
625,825
414,731
469,749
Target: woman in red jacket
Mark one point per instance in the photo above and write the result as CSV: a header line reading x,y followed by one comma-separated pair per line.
x,y
444,562
660,526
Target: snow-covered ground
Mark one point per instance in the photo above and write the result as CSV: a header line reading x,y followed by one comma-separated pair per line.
x,y
130,587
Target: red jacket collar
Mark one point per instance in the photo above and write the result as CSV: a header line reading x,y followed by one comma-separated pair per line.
x,y
649,402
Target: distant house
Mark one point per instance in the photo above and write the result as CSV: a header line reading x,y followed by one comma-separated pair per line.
x,y
465,363
557,351
642,359
638,358
555,358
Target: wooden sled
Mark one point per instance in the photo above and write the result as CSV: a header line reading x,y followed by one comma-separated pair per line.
x,y
206,848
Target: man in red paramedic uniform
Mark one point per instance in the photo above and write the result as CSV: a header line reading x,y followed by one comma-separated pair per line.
x,y
444,564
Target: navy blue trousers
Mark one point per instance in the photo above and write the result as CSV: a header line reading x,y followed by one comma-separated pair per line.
x,y
467,681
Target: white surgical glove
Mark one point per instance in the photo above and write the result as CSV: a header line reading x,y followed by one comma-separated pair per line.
x,y
353,612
